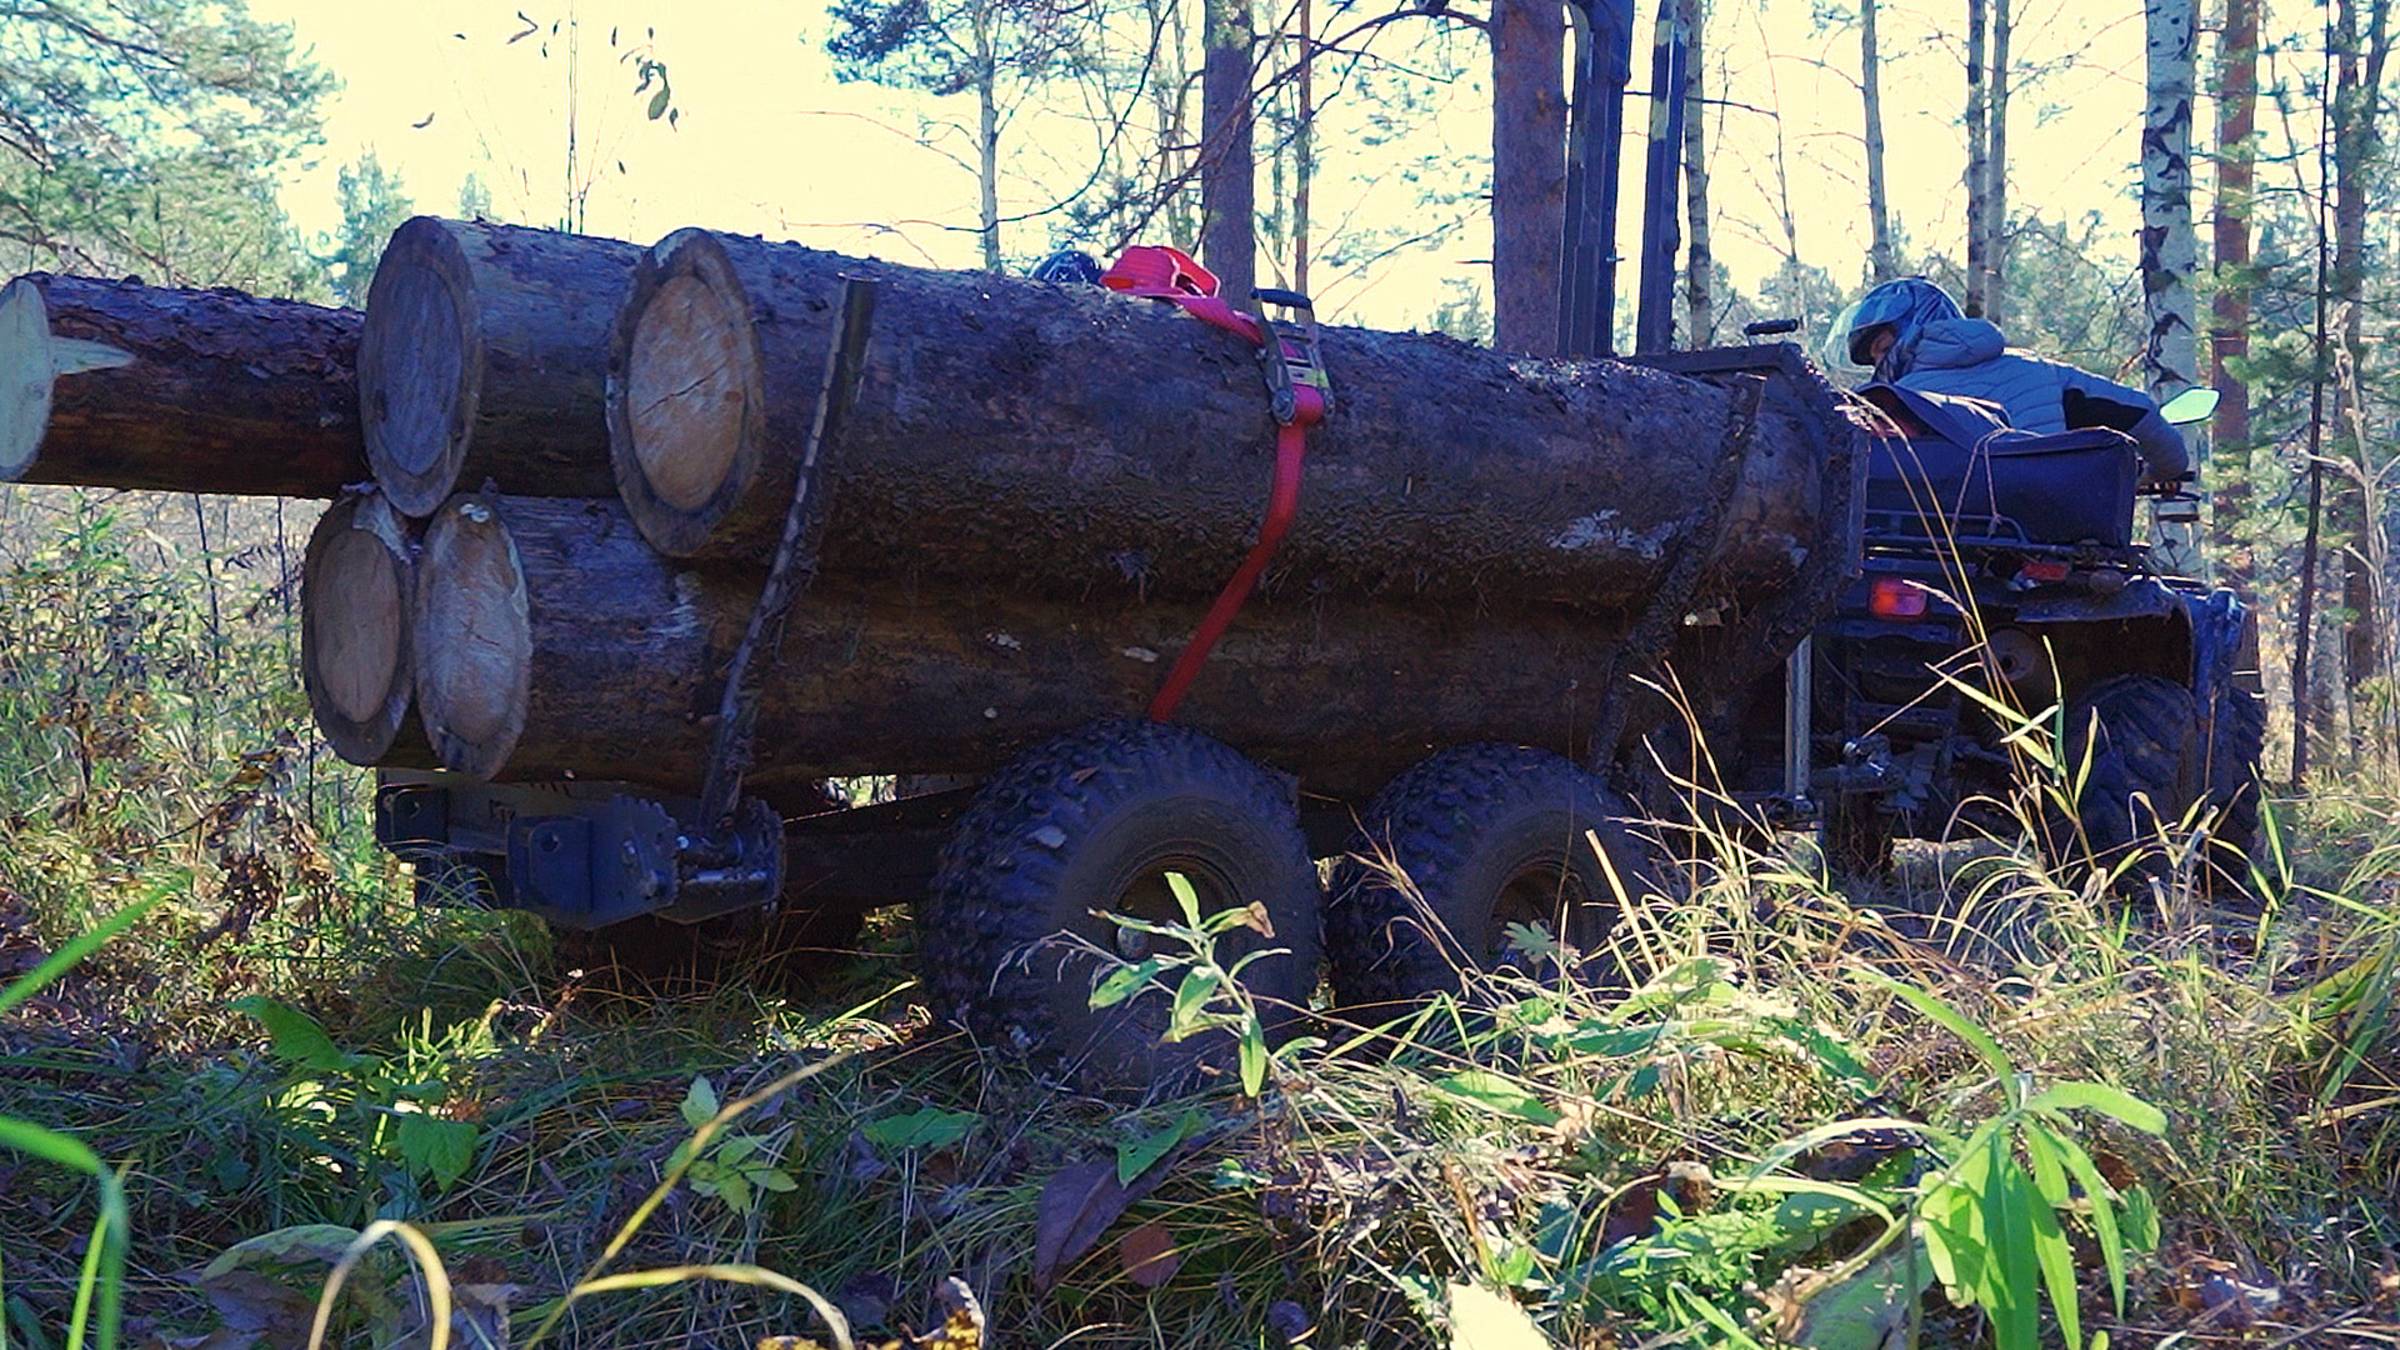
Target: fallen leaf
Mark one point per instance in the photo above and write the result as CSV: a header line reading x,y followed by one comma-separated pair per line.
x,y
1483,1320
1149,1255
1080,1202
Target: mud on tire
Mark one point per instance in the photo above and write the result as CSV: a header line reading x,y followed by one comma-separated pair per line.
x,y
2140,736
1484,835
1092,821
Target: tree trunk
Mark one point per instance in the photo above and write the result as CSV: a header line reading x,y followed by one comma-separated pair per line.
x,y
1304,147
1978,156
117,384
1086,446
483,358
2357,143
1700,305
2229,437
1995,176
987,141
1229,161
1880,259
551,640
2170,247
1529,173
357,585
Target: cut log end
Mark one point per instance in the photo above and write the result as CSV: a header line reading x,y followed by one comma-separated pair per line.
x,y
473,638
686,400
24,376
354,636
419,366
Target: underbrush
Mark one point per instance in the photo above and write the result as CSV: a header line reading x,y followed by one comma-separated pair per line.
x,y
1963,1107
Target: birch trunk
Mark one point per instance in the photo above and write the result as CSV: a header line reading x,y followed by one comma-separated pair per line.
x,y
987,142
1229,162
1529,172
1978,154
2357,142
2237,125
1700,304
2170,248
1870,88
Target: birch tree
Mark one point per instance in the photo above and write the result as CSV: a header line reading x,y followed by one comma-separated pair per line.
x,y
1994,222
1978,154
2170,249
2361,52
1699,293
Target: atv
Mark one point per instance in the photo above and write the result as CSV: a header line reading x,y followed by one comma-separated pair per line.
x,y
2003,591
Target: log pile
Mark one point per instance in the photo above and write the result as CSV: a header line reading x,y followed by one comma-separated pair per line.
x,y
582,454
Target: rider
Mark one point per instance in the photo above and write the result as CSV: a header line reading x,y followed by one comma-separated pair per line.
x,y
1914,335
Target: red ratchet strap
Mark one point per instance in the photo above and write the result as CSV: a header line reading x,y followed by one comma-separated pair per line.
x,y
1295,380
1297,385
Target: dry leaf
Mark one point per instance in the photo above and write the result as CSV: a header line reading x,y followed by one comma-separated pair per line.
x,y
1149,1255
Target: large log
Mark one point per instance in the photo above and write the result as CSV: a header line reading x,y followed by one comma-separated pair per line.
x,y
357,585
1080,444
117,384
552,641
483,358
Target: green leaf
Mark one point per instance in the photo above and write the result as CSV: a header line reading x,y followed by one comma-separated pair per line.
x,y
1125,981
2115,1103
1950,1018
700,1103
1191,1002
294,1036
2050,1248
1499,1094
2013,1288
302,1242
1254,1057
737,1149
931,1129
1869,1310
2141,1220
1136,1156
774,1179
734,1189
441,1149
1186,899
658,103
2104,1213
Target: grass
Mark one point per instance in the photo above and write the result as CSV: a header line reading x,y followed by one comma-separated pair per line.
x,y
284,1054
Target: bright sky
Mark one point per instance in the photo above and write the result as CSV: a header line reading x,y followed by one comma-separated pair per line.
x,y
770,143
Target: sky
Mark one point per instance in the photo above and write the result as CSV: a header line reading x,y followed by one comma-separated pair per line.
x,y
766,141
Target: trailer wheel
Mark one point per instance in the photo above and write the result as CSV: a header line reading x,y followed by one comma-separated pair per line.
x,y
1091,823
2235,740
2136,739
1456,851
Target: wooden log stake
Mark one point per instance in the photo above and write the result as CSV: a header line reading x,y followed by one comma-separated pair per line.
x,y
552,641
117,384
1080,445
356,590
483,360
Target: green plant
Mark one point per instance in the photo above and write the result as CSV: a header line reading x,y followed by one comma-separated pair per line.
x,y
396,1123
734,1169
1208,994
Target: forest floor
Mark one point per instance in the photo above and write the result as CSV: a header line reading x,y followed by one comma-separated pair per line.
x,y
1987,1102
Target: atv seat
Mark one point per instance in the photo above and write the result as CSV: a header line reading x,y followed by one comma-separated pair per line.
x,y
1939,460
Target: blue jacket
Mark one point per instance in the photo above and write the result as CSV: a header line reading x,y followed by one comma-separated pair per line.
x,y
1970,357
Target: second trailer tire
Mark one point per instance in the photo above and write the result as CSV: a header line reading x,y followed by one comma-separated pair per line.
x,y
1091,823
1484,836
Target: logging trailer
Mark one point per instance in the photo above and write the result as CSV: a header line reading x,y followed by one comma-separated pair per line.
x,y
663,541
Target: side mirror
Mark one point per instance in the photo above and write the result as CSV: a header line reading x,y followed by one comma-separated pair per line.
x,y
2196,404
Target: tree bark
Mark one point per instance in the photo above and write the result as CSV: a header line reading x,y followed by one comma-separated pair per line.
x,y
2170,247
483,358
1229,163
1700,305
2357,143
116,384
1995,176
552,641
987,140
1880,259
1978,155
357,585
1529,173
2229,437
1084,446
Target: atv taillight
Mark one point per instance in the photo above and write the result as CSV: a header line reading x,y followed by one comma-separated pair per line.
x,y
1894,598
2044,572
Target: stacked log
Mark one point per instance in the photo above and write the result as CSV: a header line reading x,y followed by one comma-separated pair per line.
x,y
554,641
483,358
358,590
111,383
